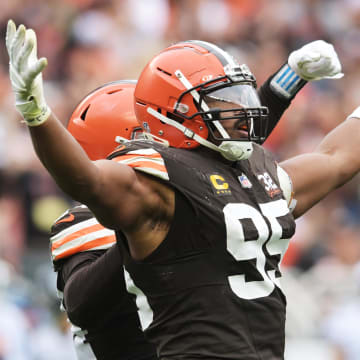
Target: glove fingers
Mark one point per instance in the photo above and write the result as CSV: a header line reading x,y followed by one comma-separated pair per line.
x,y
25,74
336,76
326,67
323,64
17,43
35,69
316,60
25,52
10,33
310,57
31,36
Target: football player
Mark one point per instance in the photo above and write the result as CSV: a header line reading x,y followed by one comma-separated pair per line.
x,y
101,121
90,276
203,223
104,325
83,251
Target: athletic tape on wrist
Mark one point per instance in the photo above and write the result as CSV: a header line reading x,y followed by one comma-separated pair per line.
x,y
286,82
40,119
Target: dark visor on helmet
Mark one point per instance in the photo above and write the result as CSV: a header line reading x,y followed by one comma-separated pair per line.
x,y
231,101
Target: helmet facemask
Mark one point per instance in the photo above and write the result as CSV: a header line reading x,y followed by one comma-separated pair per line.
x,y
222,100
238,105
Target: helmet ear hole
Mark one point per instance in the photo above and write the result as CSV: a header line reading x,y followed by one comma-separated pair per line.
x,y
113,92
163,71
172,116
83,114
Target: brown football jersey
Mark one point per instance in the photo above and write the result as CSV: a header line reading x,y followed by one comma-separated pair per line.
x,y
91,284
213,284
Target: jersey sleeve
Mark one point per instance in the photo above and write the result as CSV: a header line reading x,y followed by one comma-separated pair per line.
x,y
286,187
147,160
77,230
277,93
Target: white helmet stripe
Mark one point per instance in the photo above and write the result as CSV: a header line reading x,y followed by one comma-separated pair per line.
x,y
203,104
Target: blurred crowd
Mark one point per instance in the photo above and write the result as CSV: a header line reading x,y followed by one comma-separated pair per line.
x,y
91,42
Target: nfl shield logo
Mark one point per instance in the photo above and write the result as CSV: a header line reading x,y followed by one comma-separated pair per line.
x,y
244,181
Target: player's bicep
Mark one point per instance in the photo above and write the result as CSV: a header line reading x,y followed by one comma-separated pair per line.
x,y
312,177
118,189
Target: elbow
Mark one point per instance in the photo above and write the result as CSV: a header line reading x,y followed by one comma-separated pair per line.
x,y
346,170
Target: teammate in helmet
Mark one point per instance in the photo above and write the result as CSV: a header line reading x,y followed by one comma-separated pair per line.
x,y
104,118
90,276
201,235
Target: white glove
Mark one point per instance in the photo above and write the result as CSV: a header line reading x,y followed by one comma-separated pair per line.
x,y
315,61
25,74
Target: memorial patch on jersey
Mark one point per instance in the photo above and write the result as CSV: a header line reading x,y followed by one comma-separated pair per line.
x,y
219,185
148,161
84,236
269,185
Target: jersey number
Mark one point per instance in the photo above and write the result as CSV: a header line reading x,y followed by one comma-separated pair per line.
x,y
253,251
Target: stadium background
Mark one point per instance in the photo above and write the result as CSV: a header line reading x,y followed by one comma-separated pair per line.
x,y
91,42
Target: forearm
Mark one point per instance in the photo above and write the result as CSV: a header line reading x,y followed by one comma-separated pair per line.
x,y
342,146
309,186
64,158
277,104
333,163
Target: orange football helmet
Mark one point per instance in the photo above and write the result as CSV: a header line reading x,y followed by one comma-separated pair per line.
x,y
174,93
103,117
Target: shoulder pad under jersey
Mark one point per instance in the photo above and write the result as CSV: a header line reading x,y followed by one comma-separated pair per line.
x,y
286,187
77,230
144,156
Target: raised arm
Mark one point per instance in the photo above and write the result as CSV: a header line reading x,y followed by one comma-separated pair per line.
x,y
314,61
333,163
102,185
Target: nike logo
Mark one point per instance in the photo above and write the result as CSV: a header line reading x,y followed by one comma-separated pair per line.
x,y
69,218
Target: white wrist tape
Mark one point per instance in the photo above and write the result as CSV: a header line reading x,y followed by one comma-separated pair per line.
x,y
286,82
39,119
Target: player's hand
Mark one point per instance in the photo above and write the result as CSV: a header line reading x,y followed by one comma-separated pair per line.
x,y
315,61
25,74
